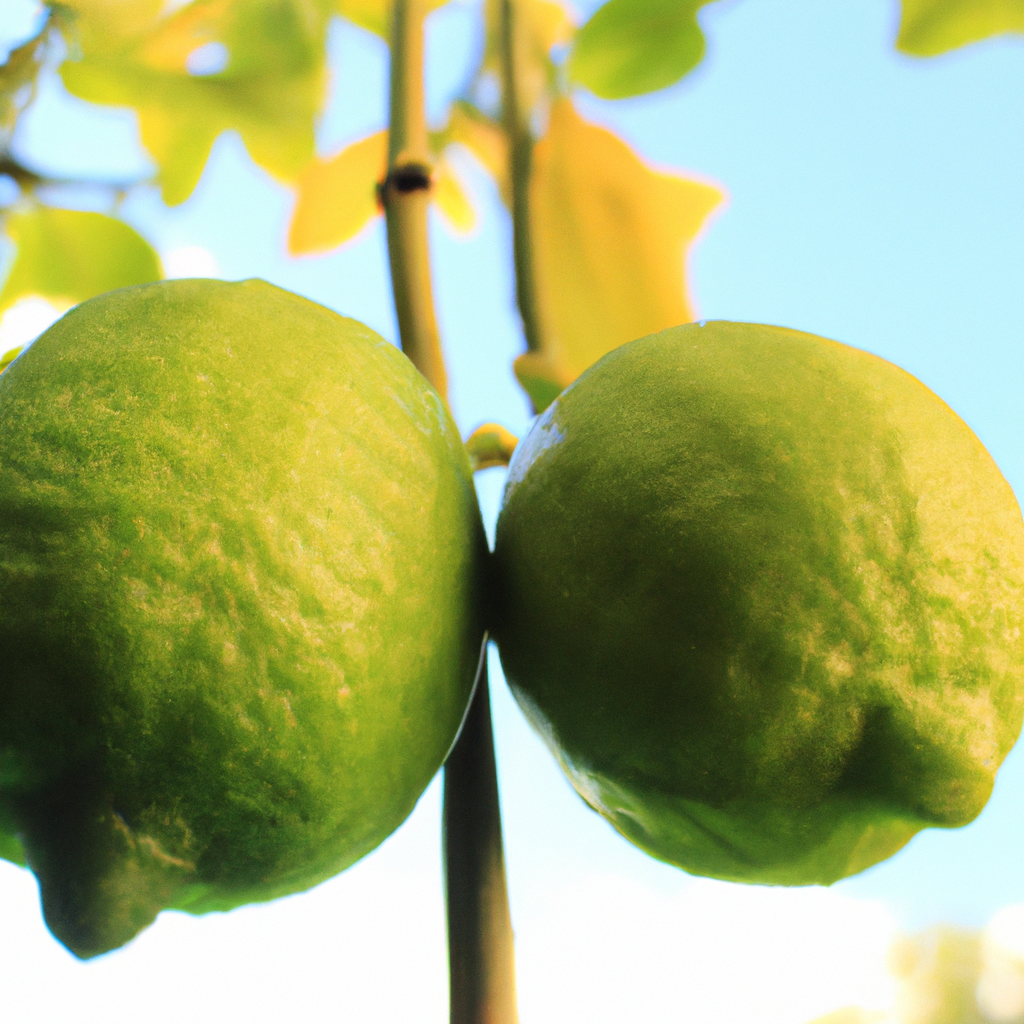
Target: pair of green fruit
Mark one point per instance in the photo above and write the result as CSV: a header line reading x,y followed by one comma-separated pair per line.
x,y
763,595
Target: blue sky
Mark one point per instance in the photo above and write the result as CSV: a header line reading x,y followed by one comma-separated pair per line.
x,y
873,198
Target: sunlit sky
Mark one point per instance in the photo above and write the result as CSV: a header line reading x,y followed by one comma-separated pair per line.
x,y
875,199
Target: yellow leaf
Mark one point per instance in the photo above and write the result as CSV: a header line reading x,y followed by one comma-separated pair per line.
x,y
451,200
266,79
610,239
170,44
112,18
337,197
374,15
930,27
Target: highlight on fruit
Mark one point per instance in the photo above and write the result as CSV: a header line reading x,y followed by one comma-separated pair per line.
x,y
763,596
240,553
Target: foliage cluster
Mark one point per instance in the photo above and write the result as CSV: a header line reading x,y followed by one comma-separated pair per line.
x,y
608,233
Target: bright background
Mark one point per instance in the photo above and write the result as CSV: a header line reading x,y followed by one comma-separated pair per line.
x,y
875,199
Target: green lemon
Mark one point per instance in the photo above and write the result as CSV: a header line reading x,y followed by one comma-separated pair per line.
x,y
239,569
764,599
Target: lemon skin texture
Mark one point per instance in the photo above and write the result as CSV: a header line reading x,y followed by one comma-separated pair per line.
x,y
240,554
763,598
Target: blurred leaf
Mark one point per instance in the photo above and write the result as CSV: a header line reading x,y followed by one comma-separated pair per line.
x,y
930,27
610,241
68,256
938,972
629,47
115,18
540,26
451,200
269,89
337,197
948,975
374,15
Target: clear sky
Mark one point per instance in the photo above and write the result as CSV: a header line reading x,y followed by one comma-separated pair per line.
x,y
874,199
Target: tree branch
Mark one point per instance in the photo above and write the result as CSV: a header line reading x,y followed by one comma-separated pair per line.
x,y
405,194
516,118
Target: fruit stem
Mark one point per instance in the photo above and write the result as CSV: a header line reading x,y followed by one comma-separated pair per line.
x,y
405,195
516,120
481,961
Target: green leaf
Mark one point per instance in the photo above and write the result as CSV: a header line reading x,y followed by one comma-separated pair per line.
x,y
630,47
270,88
930,27
67,256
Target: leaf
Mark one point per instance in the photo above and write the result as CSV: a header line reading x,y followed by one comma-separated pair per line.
x,y
938,972
269,89
114,18
930,27
68,256
630,47
375,15
610,237
451,199
337,197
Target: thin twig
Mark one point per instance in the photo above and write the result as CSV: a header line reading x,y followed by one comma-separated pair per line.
x,y
405,194
516,118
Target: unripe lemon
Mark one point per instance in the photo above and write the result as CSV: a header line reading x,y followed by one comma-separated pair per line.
x,y
239,557
764,598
